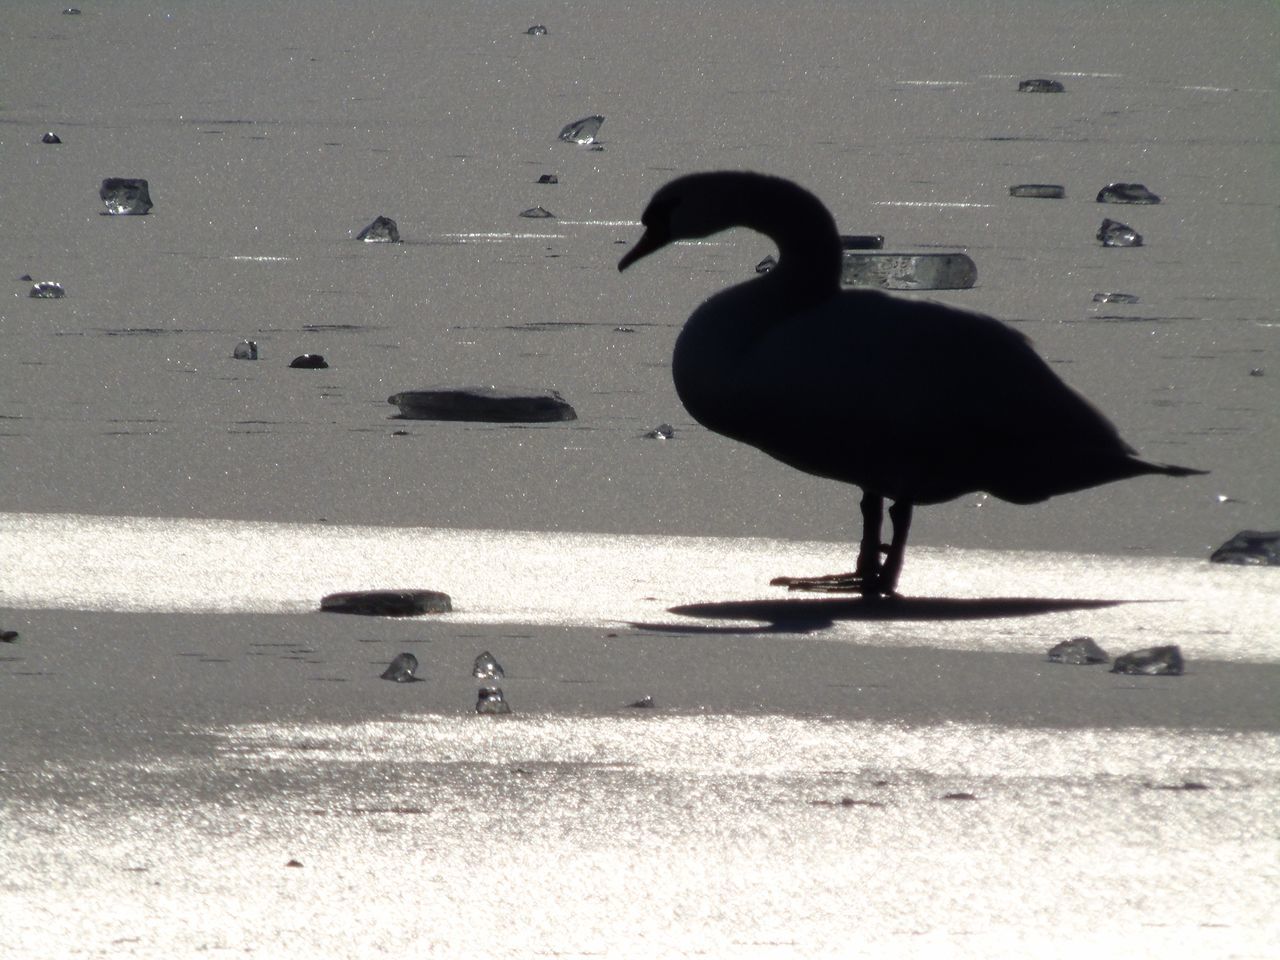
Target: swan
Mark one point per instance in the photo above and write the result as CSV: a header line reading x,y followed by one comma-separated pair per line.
x,y
912,401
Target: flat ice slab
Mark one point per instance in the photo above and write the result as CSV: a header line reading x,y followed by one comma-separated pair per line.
x,y
908,271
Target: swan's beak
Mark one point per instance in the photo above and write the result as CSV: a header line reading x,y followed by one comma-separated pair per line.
x,y
653,239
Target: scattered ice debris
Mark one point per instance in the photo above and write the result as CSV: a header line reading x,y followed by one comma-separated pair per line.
x,y
309,361
51,137
387,603
490,700
1253,548
767,264
538,213
663,431
487,667
1078,650
548,178
483,404
47,290
908,271
8,636
1115,298
1153,662
382,230
1126,193
537,30
1040,85
125,196
644,703
1042,191
245,350
861,241
582,131
1113,233
402,669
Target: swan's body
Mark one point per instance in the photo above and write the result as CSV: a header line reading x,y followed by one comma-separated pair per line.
x,y
911,401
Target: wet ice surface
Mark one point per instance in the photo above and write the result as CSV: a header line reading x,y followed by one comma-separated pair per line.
x,y
757,836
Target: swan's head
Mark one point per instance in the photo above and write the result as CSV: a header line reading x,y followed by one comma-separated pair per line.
x,y
699,205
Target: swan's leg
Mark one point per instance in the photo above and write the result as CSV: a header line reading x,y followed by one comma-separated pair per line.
x,y
900,515
869,578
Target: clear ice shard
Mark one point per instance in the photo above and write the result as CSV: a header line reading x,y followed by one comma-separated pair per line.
x,y
490,700
663,431
582,131
1042,191
47,290
125,196
1040,85
487,667
1153,662
1113,233
1078,650
1126,193
245,350
537,213
402,669
1115,298
382,230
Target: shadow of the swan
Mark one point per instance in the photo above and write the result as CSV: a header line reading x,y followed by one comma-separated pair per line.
x,y
807,615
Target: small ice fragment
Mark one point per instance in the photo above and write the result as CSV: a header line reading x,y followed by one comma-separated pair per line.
x,y
71,12
382,230
548,178
537,30
582,131
1113,233
1042,191
663,431
490,700
309,361
908,271
245,350
402,669
537,213
1257,372
387,603
1153,662
47,290
8,636
51,137
125,196
1078,650
767,264
1040,85
1249,547
1115,298
1126,193
644,703
487,667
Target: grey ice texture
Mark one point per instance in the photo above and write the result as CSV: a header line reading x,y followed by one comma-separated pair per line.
x,y
402,669
387,603
1113,233
1164,661
1252,548
1126,193
381,230
245,350
1078,650
485,404
908,271
1042,191
487,667
125,196
47,290
491,700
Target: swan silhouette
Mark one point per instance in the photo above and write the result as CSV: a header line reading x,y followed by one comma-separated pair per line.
x,y
910,400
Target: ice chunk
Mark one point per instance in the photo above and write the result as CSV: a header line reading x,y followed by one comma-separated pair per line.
x,y
1040,85
51,137
1115,298
47,290
1250,547
487,667
644,703
767,264
387,603
382,230
582,131
861,241
538,213
245,350
663,431
1113,233
548,178
537,30
490,700
1153,661
908,271
1078,650
309,361
402,669
125,196
1043,191
1126,193
483,404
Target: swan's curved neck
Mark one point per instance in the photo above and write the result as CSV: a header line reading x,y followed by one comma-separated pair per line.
x,y
809,256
